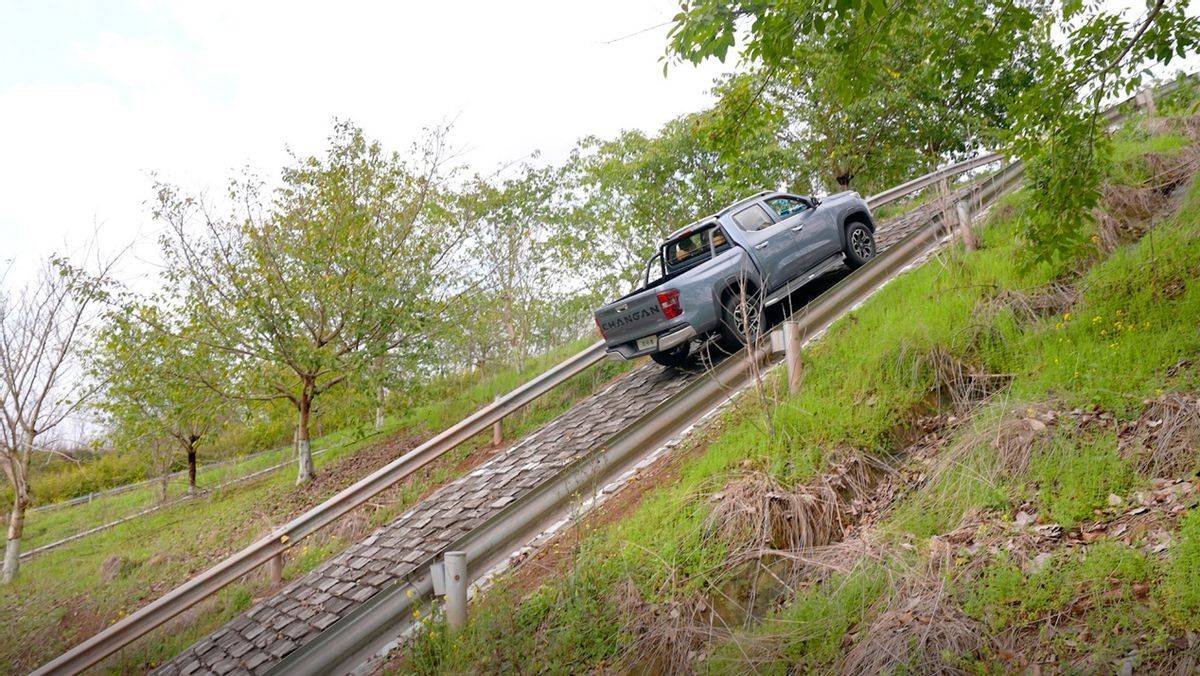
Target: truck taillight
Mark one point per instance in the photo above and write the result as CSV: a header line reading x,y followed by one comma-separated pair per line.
x,y
669,302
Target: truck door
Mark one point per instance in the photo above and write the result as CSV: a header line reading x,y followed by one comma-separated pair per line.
x,y
815,234
772,244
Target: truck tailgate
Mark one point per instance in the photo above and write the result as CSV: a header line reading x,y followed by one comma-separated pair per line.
x,y
632,317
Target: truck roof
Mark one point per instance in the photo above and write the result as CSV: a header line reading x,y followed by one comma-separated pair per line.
x,y
713,217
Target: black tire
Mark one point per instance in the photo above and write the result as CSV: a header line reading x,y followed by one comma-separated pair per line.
x,y
676,357
860,245
731,333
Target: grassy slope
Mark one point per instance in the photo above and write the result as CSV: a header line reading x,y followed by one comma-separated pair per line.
x,y
447,401
61,597
863,382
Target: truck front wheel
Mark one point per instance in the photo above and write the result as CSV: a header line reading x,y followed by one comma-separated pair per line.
x,y
676,357
860,245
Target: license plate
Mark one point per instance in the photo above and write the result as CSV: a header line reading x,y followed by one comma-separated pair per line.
x,y
647,343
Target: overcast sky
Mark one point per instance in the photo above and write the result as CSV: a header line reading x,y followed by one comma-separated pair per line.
x,y
95,95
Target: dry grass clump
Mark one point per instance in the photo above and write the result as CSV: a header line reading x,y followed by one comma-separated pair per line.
x,y
756,512
669,635
965,383
1049,300
1188,126
1165,441
1013,436
1126,212
920,630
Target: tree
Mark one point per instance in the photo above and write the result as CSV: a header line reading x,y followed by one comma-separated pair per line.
x,y
1045,70
42,331
306,287
507,224
154,384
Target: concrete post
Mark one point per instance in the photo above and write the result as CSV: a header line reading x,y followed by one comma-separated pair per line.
x,y
456,589
276,567
791,348
497,428
1145,100
943,202
964,225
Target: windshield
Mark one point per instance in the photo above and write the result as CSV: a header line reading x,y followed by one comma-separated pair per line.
x,y
688,250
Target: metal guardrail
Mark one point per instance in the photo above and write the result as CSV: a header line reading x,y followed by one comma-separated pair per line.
x,y
350,635
932,178
202,586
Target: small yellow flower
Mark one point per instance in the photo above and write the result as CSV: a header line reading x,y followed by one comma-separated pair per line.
x,y
416,613
1096,319
408,593
1104,332
1058,326
1067,317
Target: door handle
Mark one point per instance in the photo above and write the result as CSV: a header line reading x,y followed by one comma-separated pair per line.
x,y
761,246
798,228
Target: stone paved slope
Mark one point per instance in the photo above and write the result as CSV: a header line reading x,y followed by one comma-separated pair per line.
x,y
271,630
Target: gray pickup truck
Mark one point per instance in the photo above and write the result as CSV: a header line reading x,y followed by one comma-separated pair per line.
x,y
717,275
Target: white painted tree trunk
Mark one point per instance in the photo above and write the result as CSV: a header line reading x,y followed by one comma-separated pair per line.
x,y
379,414
304,455
16,520
12,550
12,559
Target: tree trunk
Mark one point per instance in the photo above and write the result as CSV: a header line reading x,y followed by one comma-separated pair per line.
x,y
16,520
191,456
379,412
303,445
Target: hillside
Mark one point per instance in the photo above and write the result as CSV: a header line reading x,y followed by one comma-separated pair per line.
x,y
990,466
137,561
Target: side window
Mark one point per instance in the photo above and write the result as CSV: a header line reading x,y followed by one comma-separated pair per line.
x,y
752,218
787,206
719,240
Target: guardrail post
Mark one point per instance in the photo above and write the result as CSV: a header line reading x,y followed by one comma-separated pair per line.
x,y
791,349
497,428
1145,101
456,589
964,225
275,565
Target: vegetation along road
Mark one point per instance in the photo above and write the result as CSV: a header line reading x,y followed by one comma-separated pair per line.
x,y
986,464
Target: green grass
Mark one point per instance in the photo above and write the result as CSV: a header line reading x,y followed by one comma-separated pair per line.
x,y
165,548
1076,476
1180,591
450,400
1104,575
863,383
807,635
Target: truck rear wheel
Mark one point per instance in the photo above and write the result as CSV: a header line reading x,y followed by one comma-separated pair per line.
x,y
860,245
740,316
676,357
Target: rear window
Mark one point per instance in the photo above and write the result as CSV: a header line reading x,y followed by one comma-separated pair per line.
x,y
685,252
752,218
